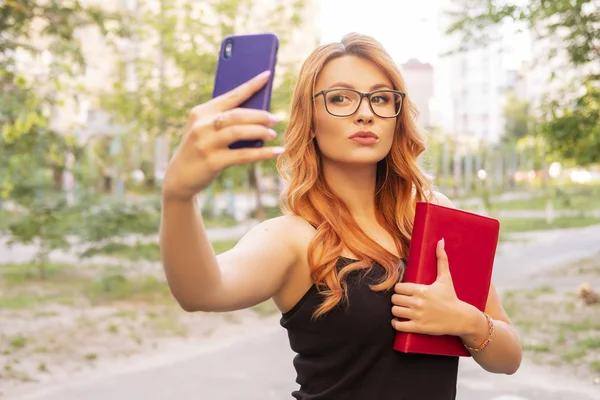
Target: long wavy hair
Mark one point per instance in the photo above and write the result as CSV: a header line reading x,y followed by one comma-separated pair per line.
x,y
400,182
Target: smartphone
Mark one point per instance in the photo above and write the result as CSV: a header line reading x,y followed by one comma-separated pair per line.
x,y
241,58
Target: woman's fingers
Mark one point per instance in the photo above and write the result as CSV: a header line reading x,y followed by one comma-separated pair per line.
x,y
245,116
232,134
225,158
237,96
402,312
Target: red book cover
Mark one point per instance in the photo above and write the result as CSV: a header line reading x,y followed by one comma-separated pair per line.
x,y
470,243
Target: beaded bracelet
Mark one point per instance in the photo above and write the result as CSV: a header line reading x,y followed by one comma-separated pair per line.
x,y
489,338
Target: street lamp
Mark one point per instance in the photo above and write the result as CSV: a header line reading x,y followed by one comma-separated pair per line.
x,y
485,194
481,174
554,170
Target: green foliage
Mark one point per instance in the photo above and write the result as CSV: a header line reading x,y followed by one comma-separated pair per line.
x,y
188,49
32,154
45,225
571,121
112,219
140,251
574,132
516,113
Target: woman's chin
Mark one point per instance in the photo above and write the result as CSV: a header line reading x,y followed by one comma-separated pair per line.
x,y
352,158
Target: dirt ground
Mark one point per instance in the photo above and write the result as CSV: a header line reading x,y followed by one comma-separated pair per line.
x,y
70,323
558,328
77,319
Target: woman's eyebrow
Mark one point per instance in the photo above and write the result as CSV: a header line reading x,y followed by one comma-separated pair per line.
x,y
350,86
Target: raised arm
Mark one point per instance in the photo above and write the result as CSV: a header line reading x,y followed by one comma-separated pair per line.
x,y
254,270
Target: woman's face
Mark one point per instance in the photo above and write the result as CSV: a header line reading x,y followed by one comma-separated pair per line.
x,y
363,137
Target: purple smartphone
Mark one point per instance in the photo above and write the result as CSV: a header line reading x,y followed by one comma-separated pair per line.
x,y
241,58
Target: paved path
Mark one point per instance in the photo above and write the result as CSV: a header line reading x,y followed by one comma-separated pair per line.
x,y
23,253
260,368
259,364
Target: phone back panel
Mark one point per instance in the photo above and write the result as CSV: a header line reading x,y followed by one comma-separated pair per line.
x,y
250,55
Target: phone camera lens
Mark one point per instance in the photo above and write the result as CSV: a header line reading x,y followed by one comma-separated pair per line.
x,y
228,49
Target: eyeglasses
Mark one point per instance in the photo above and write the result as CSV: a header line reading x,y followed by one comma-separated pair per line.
x,y
345,102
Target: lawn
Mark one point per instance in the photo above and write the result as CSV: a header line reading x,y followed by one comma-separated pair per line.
x,y
555,326
533,224
583,198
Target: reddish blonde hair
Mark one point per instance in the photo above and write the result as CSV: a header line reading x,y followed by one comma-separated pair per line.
x,y
400,181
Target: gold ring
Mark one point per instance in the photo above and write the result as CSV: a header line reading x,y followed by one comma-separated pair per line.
x,y
217,121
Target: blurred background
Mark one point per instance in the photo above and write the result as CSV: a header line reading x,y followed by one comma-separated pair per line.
x,y
94,97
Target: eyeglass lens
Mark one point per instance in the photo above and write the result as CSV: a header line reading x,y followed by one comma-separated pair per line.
x,y
343,102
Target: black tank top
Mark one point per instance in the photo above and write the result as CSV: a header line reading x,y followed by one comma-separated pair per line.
x,y
348,353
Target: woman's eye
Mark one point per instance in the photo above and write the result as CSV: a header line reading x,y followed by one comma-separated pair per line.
x,y
380,99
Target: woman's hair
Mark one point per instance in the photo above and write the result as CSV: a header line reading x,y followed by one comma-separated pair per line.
x,y
400,181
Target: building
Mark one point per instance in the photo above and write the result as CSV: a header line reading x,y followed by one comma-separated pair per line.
x,y
477,81
79,110
419,82
551,78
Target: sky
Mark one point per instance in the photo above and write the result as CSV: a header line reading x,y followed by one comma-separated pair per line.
x,y
409,29
406,28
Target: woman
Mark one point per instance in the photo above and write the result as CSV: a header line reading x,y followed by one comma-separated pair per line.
x,y
333,264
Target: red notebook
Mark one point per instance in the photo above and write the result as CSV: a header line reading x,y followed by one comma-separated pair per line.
x,y
470,243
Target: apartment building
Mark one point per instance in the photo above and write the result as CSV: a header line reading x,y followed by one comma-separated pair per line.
x,y
419,82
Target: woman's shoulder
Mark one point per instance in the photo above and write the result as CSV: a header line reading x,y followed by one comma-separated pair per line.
x,y
292,228
438,198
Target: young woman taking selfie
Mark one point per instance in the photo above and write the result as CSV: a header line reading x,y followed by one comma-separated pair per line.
x,y
334,262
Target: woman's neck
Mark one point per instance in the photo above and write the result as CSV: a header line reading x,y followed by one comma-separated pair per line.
x,y
355,185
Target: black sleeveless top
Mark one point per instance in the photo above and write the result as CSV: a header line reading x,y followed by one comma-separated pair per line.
x,y
348,353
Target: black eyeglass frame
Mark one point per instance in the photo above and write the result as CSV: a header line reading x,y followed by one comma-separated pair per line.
x,y
362,96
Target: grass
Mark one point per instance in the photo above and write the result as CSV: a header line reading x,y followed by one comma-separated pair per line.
x,y
223,246
18,342
17,273
22,288
67,285
266,308
140,251
143,251
585,266
515,225
219,222
557,328
585,198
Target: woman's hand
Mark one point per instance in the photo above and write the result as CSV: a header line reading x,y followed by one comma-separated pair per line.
x,y
212,127
430,309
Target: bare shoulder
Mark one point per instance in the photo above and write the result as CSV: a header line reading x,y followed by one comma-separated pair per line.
x,y
259,266
292,230
440,198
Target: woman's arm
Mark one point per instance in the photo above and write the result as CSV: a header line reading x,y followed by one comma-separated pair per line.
x,y
503,354
253,271
435,309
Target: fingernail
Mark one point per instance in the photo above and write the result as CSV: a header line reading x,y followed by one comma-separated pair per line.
x,y
264,74
442,243
272,133
278,150
273,118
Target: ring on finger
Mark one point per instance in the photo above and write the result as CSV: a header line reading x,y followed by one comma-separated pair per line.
x,y
218,121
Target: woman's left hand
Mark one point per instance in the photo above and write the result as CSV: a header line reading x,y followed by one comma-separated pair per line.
x,y
430,309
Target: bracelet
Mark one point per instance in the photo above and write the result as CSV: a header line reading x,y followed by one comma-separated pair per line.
x,y
489,338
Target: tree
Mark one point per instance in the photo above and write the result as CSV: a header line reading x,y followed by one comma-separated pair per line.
x,y
574,132
32,154
180,73
570,124
517,120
